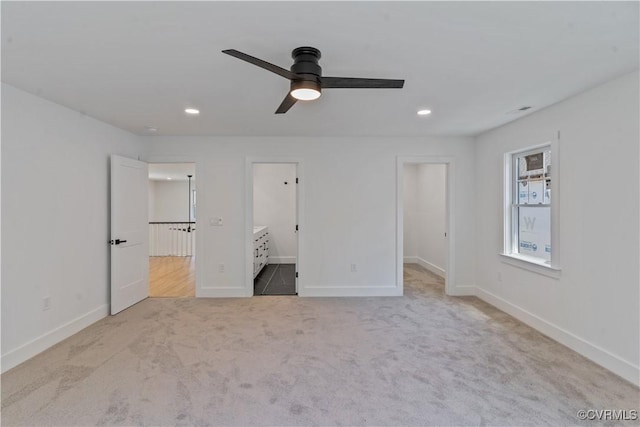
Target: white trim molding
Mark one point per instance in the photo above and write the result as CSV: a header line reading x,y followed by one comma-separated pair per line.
x,y
532,265
425,264
602,357
249,162
449,269
351,291
36,346
222,292
282,259
200,250
431,267
509,238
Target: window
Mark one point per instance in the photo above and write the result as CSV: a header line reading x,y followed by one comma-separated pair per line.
x,y
528,206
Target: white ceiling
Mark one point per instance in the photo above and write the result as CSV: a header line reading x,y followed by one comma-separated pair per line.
x,y
172,171
138,64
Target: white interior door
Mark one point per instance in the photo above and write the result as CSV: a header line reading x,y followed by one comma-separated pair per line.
x,y
129,233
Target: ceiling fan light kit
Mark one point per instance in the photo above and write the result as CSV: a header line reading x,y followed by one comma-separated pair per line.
x,y
306,77
305,90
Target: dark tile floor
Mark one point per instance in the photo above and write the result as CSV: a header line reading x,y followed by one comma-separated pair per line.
x,y
276,279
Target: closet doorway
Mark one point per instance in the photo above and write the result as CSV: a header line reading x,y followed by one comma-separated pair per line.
x,y
275,228
172,230
424,217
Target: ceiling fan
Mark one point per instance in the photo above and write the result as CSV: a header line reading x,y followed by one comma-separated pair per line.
x,y
306,77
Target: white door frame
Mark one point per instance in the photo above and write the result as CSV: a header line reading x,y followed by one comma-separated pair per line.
x,y
248,225
200,246
448,161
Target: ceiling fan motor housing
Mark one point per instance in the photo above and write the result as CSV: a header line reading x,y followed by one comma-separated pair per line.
x,y
306,65
306,77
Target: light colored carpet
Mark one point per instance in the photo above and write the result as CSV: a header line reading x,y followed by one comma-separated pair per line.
x,y
421,359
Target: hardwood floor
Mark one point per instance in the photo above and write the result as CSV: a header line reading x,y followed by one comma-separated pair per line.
x,y
172,276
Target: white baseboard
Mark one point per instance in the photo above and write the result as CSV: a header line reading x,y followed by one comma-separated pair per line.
x,y
426,264
282,259
352,291
462,291
222,292
602,357
431,267
26,351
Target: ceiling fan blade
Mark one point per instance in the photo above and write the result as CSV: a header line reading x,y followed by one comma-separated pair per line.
x,y
357,83
287,103
262,64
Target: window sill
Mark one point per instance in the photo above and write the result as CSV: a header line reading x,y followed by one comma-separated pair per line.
x,y
531,264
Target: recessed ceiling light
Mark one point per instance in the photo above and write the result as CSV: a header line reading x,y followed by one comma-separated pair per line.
x,y
424,112
169,177
150,129
191,111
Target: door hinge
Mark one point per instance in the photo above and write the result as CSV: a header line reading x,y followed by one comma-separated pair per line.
x,y
296,180
296,227
296,274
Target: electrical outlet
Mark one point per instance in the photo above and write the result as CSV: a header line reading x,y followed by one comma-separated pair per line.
x,y
46,303
221,268
354,268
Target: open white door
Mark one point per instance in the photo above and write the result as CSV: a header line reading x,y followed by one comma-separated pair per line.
x,y
129,233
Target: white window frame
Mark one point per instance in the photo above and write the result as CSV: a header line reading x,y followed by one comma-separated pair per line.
x,y
509,254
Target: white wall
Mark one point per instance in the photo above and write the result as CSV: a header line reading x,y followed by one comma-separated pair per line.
x,y
348,213
152,201
171,200
594,306
410,213
274,205
425,216
55,229
55,217
432,248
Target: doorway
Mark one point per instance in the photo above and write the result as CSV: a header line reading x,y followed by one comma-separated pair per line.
x,y
274,228
424,221
172,230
